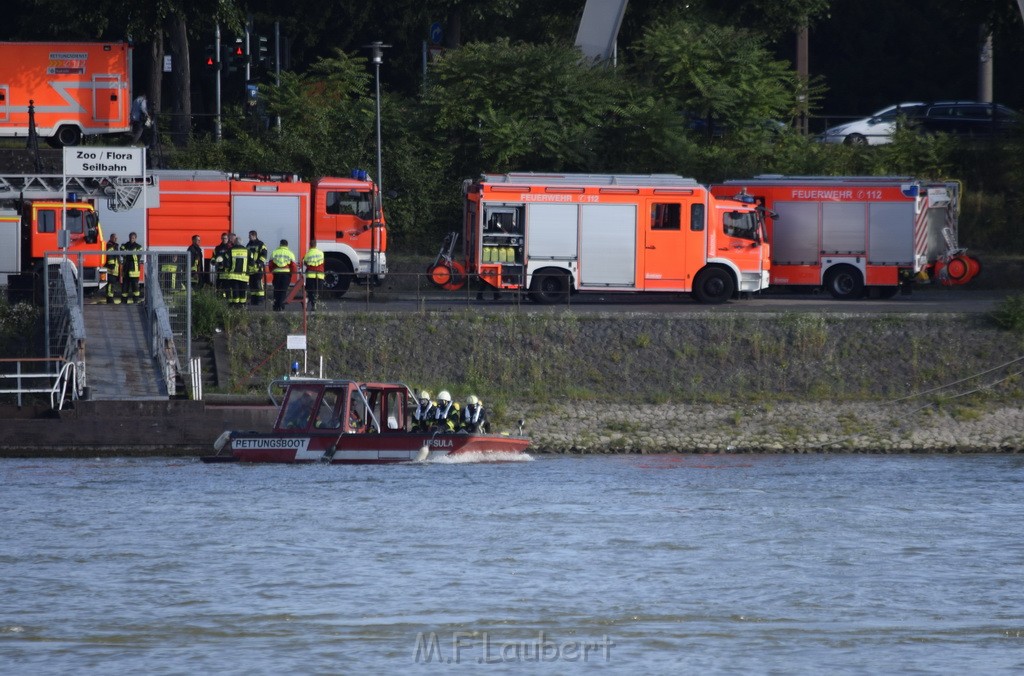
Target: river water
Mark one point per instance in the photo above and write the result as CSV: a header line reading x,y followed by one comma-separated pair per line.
x,y
630,564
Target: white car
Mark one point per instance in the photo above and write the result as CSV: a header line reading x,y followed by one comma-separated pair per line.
x,y
873,131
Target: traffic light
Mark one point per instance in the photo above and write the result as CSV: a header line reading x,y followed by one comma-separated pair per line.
x,y
210,60
262,51
236,56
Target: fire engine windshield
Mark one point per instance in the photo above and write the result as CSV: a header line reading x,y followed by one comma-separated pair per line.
x,y
742,224
352,203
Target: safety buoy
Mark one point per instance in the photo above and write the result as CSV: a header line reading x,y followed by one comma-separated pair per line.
x,y
449,276
959,269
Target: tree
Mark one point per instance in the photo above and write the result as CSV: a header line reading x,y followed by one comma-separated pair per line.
x,y
719,73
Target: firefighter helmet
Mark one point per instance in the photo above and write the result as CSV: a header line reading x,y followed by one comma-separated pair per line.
x,y
471,400
424,395
443,397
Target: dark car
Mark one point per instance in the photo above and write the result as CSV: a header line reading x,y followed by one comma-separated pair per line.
x,y
963,118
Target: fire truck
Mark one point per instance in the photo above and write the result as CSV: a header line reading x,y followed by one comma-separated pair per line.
x,y
555,234
40,215
344,216
76,88
857,236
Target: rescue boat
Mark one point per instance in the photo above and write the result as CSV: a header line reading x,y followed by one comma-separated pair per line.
x,y
350,422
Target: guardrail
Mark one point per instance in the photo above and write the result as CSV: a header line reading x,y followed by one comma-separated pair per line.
x,y
62,382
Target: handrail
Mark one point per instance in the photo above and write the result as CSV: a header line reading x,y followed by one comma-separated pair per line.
x,y
163,347
59,377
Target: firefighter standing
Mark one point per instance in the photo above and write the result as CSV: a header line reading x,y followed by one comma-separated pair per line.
x,y
313,262
198,269
257,269
113,271
131,269
446,415
221,258
238,272
282,265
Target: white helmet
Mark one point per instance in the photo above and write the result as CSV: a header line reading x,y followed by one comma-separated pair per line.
x,y
424,395
443,397
471,400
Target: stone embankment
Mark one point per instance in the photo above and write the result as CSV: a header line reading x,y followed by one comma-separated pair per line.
x,y
775,428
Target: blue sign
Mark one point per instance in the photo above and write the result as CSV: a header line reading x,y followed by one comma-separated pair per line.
x,y
436,33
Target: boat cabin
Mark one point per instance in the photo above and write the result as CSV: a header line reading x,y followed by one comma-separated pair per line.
x,y
344,407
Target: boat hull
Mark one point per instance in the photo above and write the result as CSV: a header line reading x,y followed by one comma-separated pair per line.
x,y
384,448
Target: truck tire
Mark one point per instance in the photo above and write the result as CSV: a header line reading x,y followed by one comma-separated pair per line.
x,y
66,135
713,286
845,282
337,276
550,287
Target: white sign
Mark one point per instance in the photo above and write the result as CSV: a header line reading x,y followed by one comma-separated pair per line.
x,y
296,342
99,161
167,63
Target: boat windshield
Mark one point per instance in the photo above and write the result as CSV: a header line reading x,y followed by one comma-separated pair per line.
x,y
298,408
328,416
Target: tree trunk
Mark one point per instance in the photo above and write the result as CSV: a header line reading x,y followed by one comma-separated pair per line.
x,y
156,73
180,94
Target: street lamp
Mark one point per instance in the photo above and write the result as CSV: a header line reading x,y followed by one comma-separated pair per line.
x,y
377,57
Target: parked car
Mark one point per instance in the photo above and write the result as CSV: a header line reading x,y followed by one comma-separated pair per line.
x,y
872,131
963,118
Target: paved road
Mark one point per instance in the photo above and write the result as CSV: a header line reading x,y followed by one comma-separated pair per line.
x,y
938,300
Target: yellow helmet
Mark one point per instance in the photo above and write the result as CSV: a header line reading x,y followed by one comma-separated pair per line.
x,y
443,397
471,400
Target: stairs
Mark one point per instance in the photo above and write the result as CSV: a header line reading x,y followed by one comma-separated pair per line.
x,y
203,351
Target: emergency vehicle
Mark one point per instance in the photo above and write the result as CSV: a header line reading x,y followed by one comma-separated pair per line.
x,y
76,88
556,234
858,235
39,214
343,215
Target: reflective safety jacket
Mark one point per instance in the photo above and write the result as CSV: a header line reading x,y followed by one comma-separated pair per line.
x,y
446,418
257,256
238,266
113,262
314,262
474,420
130,264
282,260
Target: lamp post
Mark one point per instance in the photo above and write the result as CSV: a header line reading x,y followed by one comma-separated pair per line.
x,y
377,57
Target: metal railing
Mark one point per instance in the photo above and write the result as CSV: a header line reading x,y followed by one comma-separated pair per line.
x,y
61,383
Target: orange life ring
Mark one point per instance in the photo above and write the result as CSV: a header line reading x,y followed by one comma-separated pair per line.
x,y
448,276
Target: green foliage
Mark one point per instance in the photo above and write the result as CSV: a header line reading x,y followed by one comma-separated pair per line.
x,y
208,313
1010,313
20,325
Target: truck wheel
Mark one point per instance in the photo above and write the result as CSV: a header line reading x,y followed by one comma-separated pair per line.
x,y
67,135
856,140
337,277
550,288
713,286
845,282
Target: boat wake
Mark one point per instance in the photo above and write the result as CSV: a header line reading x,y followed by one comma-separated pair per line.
x,y
479,456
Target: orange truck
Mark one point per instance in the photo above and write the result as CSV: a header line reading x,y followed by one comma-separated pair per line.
x,y
552,235
76,88
39,216
344,215
856,235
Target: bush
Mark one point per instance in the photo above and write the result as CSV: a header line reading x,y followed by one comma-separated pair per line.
x,y
208,312
1010,313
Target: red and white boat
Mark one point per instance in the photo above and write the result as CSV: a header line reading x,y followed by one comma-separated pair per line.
x,y
344,421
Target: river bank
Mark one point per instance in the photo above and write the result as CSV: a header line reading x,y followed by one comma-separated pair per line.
x,y
188,429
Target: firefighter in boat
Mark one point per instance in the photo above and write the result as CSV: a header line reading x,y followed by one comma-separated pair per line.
x,y
423,414
474,418
447,413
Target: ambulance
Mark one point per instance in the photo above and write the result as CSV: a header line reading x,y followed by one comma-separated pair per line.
x,y
75,89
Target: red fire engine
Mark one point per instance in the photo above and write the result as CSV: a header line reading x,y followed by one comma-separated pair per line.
x,y
551,235
858,235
